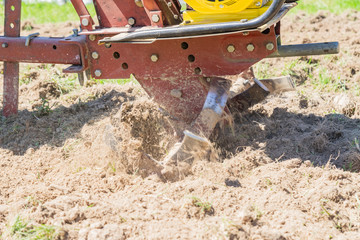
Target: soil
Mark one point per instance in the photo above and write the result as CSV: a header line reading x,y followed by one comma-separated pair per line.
x,y
287,168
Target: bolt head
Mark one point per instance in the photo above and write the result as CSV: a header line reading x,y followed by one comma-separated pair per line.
x,y
155,18
154,58
95,55
258,4
231,48
270,46
169,4
97,73
131,21
4,45
92,37
85,22
250,47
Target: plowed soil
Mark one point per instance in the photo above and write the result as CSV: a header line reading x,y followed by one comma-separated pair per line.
x,y
287,168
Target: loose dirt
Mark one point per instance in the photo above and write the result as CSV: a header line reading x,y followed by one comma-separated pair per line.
x,y
287,168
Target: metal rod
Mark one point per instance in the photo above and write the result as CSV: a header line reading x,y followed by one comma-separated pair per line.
x,y
11,69
202,29
306,49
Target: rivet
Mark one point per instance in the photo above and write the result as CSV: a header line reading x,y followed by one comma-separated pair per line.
x,y
176,93
231,48
270,46
245,33
169,4
85,22
92,37
97,73
94,55
108,45
176,16
208,79
258,4
131,21
4,45
155,18
154,58
250,47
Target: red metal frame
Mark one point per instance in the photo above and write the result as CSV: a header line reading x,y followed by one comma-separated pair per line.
x,y
163,67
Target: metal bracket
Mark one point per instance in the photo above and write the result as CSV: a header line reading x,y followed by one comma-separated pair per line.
x,y
29,37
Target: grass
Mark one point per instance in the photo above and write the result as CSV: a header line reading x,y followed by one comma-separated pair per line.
x,y
24,230
52,13
335,6
47,12
205,207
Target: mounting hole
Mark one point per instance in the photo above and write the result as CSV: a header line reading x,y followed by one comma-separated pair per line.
x,y
124,66
191,58
12,8
184,45
266,31
12,25
116,55
54,47
197,70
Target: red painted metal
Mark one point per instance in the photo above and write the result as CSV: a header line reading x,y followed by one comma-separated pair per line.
x,y
181,65
40,50
202,56
116,13
163,67
11,69
83,13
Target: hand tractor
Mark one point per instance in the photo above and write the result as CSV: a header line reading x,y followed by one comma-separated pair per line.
x,y
194,58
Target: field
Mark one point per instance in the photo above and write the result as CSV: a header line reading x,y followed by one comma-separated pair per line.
x,y
73,162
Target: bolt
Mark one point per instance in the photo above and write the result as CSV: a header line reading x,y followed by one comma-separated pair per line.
x,y
92,37
131,21
258,4
155,18
108,45
97,73
85,22
176,93
4,45
245,33
250,47
176,16
94,55
270,46
231,48
208,79
169,4
154,58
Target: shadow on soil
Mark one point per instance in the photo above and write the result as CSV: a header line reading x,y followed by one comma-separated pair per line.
x,y
281,135
19,133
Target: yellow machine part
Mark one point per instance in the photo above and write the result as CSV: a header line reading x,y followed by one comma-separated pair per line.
x,y
224,6
195,17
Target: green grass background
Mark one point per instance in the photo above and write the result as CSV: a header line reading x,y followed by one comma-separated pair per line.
x,y
51,12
